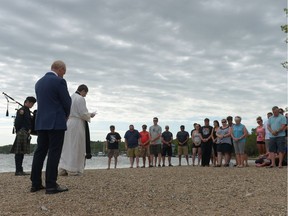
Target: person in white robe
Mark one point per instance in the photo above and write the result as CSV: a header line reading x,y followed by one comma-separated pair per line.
x,y
73,154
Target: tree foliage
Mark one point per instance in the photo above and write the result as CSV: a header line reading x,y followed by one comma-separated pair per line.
x,y
284,28
100,146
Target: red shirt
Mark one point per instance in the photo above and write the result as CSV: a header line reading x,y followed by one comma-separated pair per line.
x,y
144,136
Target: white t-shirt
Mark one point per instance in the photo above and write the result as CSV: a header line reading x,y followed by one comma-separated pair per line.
x,y
267,132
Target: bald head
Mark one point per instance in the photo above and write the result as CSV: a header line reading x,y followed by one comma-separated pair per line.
x,y
59,67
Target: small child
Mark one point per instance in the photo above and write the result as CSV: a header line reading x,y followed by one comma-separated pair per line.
x,y
112,145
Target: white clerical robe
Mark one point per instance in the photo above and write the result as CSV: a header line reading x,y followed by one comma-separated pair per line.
x,y
74,146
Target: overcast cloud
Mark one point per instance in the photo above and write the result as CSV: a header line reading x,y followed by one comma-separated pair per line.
x,y
180,60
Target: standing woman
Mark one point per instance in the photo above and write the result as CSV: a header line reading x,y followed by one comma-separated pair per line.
x,y
196,146
260,132
215,141
239,134
225,143
76,138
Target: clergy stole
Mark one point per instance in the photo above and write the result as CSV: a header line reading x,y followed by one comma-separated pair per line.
x,y
88,147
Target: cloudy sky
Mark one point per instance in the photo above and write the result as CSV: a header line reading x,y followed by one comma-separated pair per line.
x,y
180,60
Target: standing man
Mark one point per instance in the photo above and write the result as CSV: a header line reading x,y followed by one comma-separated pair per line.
x,y
267,132
23,126
167,138
53,110
132,140
182,138
277,126
155,145
206,147
144,145
112,145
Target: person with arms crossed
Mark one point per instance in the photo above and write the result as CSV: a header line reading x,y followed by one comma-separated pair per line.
x,y
53,110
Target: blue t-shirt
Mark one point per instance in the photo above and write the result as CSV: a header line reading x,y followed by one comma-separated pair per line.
x,y
276,123
132,138
238,131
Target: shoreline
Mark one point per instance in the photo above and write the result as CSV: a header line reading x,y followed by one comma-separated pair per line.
x,y
184,190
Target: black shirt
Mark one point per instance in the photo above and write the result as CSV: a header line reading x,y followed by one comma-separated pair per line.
x,y
182,136
167,136
23,119
206,131
112,140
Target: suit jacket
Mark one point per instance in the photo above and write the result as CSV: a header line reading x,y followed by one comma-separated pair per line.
x,y
53,101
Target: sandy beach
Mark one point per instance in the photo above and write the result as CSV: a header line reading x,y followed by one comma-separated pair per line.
x,y
173,191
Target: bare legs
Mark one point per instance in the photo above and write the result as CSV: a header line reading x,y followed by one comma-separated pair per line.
x,y
261,149
194,151
132,161
109,162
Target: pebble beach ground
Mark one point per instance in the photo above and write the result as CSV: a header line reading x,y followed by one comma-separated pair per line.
x,y
184,190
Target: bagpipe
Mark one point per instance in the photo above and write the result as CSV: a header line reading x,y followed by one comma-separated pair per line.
x,y
33,114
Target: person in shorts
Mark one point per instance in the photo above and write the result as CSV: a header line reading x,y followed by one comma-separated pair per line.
x,y
260,132
112,145
224,146
144,145
132,140
267,132
239,134
167,138
182,138
277,126
196,144
155,143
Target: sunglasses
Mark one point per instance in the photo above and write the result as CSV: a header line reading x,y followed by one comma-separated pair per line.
x,y
224,122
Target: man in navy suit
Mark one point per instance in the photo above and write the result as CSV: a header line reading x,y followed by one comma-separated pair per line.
x,y
53,110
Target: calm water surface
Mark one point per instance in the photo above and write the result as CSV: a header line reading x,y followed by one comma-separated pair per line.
x,y
7,163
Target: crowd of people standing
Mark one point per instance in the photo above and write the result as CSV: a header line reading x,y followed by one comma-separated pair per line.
x,y
63,134
210,144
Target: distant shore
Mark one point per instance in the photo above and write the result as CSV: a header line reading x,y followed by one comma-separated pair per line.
x,y
184,190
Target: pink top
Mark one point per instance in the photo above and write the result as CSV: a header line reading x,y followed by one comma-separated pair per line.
x,y
260,131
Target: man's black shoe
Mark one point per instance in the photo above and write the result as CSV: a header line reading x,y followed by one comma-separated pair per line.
x,y
35,189
57,189
21,174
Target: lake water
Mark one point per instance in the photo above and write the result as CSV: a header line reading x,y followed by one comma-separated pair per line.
x,y
7,163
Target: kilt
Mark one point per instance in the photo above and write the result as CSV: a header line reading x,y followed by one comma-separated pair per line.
x,y
21,144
